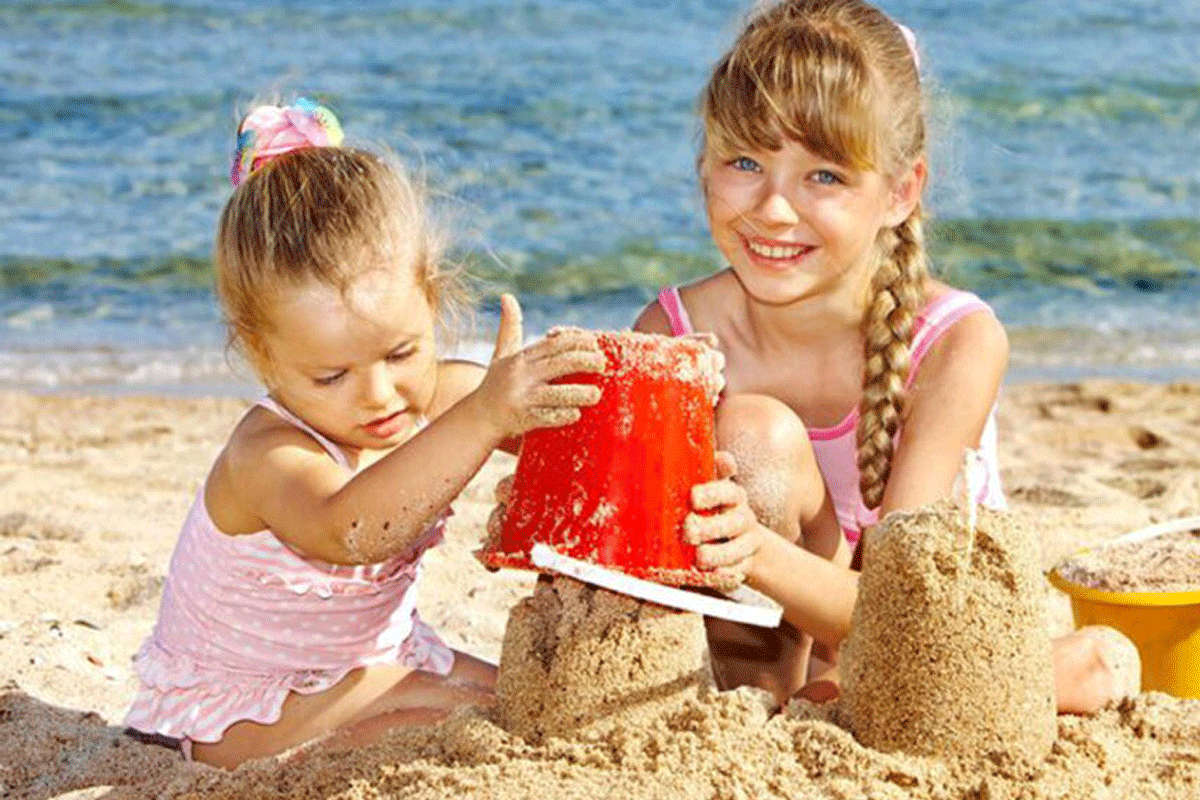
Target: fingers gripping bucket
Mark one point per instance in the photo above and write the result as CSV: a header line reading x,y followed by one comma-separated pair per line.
x,y
613,488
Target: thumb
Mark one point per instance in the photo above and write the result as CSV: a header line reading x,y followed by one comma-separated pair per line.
x,y
509,338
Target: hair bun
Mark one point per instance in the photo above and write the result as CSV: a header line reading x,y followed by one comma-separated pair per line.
x,y
270,131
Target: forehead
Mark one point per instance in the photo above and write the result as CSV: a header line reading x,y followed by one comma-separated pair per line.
x,y
314,322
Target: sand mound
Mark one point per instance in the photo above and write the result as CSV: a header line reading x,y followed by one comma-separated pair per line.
x,y
608,700
577,658
948,652
49,751
723,745
1166,563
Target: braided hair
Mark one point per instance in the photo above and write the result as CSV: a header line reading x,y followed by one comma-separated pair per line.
x,y
841,78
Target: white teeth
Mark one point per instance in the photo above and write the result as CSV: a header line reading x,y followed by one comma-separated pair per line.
x,y
775,251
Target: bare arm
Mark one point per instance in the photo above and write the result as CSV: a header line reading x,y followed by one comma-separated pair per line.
x,y
955,391
327,512
949,404
817,594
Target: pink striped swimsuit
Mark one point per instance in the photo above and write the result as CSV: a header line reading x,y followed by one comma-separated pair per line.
x,y
245,619
836,448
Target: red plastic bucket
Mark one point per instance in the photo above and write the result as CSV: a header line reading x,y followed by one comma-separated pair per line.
x,y
613,489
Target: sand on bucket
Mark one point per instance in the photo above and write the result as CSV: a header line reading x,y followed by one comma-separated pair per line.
x,y
625,470
948,652
1166,563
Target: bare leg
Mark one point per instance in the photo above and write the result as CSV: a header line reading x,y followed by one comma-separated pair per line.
x,y
368,700
777,468
1092,667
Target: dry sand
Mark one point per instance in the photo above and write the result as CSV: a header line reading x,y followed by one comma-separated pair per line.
x,y
1166,563
92,491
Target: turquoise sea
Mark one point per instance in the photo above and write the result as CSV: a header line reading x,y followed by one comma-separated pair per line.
x,y
1066,185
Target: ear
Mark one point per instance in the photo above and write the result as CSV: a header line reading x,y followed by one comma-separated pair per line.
x,y
906,192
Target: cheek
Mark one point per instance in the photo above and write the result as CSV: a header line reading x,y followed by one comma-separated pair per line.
x,y
725,200
419,376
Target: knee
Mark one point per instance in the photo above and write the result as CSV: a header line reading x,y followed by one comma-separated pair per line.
x,y
774,459
760,430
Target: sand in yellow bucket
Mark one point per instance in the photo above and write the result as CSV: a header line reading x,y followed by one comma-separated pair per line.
x,y
1145,584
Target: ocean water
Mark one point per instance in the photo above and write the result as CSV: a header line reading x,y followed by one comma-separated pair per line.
x,y
1066,183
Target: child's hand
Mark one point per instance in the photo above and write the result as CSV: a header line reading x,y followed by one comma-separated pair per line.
x,y
724,530
517,395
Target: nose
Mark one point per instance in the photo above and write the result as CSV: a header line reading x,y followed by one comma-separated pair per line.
x,y
377,388
776,208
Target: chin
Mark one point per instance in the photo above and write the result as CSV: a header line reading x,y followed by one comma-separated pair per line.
x,y
774,292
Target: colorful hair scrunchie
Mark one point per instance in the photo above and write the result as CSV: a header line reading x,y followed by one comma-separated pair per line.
x,y
271,131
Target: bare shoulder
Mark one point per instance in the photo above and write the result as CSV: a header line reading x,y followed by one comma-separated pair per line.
x,y
260,450
262,431
653,319
712,291
980,334
456,379
975,345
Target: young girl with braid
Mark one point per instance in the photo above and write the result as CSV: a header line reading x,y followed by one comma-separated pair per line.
x,y
289,609
855,381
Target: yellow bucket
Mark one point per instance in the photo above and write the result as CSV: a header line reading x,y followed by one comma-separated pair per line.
x,y
1165,626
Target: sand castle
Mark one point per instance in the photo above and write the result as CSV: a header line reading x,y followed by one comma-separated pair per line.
x,y
579,659
948,653
575,655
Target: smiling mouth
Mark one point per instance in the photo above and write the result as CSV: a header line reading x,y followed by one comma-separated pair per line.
x,y
778,252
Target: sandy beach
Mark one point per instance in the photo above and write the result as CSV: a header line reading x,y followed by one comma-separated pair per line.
x,y
93,489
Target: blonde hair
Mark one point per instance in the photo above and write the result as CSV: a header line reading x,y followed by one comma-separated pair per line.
x,y
324,214
839,78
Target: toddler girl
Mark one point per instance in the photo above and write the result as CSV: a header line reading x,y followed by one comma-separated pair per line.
x,y
855,381
289,609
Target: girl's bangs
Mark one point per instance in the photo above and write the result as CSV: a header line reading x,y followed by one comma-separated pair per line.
x,y
794,84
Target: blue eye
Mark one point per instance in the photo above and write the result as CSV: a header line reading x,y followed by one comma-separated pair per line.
x,y
745,164
824,176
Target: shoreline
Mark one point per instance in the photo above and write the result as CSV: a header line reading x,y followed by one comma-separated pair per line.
x,y
1018,377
